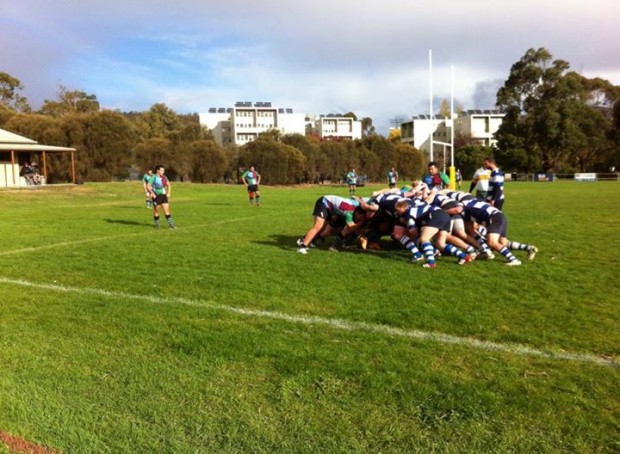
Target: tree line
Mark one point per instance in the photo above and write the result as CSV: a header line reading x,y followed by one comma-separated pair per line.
x,y
556,121
110,143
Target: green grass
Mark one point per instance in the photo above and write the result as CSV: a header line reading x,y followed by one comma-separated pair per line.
x,y
115,337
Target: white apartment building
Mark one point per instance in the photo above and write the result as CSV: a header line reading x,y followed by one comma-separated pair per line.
x,y
335,127
417,131
480,125
245,121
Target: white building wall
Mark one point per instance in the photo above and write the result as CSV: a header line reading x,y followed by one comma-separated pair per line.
x,y
338,127
240,125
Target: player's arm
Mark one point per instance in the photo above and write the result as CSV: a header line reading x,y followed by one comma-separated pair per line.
x,y
149,190
168,187
366,206
431,196
474,182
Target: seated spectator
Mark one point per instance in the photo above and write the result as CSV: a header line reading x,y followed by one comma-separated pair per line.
x,y
28,173
36,177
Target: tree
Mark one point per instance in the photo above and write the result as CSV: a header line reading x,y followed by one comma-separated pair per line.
x,y
276,162
161,121
444,109
409,162
9,98
367,128
155,151
69,101
469,158
552,115
209,162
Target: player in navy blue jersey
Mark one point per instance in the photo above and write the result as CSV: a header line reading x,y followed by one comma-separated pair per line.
x,y
496,230
495,196
430,222
386,222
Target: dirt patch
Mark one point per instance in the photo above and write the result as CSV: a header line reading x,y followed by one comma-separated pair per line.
x,y
20,446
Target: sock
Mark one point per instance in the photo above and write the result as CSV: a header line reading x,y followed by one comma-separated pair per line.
x,y
470,249
514,246
169,219
452,250
484,247
257,200
156,221
429,253
410,246
506,253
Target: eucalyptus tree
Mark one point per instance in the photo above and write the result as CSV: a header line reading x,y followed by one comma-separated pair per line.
x,y
556,119
9,94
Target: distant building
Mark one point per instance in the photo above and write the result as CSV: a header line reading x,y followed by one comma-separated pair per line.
x,y
417,131
335,127
245,121
481,125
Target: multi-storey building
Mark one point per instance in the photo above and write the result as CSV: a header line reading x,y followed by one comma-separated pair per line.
x,y
480,125
245,121
335,127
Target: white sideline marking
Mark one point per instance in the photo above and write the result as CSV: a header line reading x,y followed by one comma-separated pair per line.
x,y
442,338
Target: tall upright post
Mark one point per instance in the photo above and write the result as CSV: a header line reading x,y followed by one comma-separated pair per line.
x,y
452,167
430,101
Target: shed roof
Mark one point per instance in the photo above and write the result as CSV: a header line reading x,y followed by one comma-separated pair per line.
x,y
14,142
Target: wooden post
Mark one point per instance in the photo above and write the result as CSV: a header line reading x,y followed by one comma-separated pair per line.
x,y
13,167
72,168
44,168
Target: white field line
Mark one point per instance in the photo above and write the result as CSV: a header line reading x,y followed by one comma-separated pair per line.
x,y
442,338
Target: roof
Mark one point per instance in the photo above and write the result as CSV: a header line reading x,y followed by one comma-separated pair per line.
x,y
14,142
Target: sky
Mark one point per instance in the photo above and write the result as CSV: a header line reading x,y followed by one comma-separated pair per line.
x,y
368,57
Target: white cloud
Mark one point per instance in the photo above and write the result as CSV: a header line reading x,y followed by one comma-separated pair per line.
x,y
321,56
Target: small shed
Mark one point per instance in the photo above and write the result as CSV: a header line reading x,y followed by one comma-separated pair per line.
x,y
16,150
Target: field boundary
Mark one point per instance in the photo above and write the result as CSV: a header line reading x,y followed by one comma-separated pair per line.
x,y
340,324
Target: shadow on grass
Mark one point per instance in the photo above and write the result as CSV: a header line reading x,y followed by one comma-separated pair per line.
x,y
125,222
389,250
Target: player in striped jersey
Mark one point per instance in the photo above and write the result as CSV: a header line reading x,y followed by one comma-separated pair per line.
x,y
386,222
328,211
495,196
431,223
497,225
478,234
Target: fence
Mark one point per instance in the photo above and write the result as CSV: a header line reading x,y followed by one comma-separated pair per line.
x,y
551,177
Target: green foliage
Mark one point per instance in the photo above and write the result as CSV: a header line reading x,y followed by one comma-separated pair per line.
x,y
10,99
276,162
209,162
69,102
554,118
470,158
410,162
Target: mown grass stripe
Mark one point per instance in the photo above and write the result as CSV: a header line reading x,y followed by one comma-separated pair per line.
x,y
442,338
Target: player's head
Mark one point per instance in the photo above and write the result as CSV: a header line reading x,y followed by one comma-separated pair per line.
x,y
489,163
401,206
159,169
432,168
